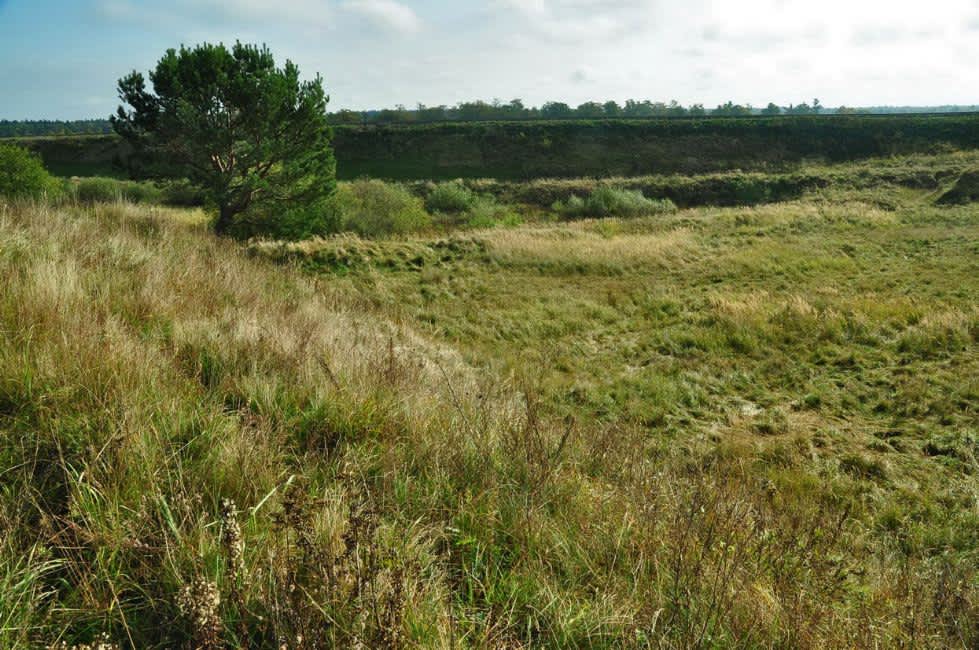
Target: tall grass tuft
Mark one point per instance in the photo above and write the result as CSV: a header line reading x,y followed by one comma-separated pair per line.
x,y
607,201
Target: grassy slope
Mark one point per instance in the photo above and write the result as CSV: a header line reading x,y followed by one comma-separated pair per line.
x,y
929,172
831,340
727,427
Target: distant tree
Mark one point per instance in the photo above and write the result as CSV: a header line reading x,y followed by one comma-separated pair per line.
x,y
405,115
675,109
697,110
816,106
612,109
475,111
846,110
346,116
513,110
250,135
635,108
730,109
771,109
387,116
590,110
800,109
556,111
432,113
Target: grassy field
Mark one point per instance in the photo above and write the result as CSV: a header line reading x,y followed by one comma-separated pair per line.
x,y
716,427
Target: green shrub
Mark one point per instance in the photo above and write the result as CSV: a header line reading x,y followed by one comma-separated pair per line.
x,y
97,190
455,204
317,219
133,192
183,194
451,197
22,174
108,190
611,202
486,212
372,208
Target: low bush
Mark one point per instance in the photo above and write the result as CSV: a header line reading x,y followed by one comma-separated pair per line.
x,y
455,203
99,189
487,212
611,202
182,193
451,197
22,174
107,190
319,219
374,208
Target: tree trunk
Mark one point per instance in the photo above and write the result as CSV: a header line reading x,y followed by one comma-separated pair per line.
x,y
225,219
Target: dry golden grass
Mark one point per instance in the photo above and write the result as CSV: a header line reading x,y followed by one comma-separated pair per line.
x,y
202,448
569,245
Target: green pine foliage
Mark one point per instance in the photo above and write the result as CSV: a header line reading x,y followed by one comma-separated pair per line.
x,y
253,136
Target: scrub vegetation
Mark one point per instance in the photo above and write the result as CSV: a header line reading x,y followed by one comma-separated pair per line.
x,y
748,425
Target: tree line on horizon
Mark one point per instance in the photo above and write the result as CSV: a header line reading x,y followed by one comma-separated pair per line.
x,y
26,128
514,110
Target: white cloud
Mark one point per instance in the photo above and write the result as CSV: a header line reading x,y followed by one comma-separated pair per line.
x,y
387,14
856,52
581,20
305,13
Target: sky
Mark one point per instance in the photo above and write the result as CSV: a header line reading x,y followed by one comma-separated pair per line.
x,y
60,59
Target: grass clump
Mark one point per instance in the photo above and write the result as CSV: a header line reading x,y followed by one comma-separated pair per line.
x,y
347,252
22,175
373,208
964,191
612,202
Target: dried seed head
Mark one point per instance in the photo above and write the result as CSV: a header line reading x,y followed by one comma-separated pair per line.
x,y
231,538
199,602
